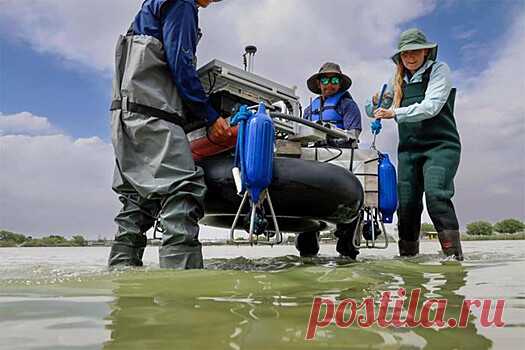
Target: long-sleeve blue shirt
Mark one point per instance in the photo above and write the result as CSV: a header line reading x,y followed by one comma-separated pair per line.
x,y
175,24
348,109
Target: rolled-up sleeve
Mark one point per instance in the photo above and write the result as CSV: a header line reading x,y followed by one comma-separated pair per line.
x,y
436,96
179,33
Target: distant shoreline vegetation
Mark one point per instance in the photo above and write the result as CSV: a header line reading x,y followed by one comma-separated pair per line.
x,y
508,229
495,237
12,239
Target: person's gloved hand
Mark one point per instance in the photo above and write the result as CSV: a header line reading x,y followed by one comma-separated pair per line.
x,y
387,100
219,131
376,126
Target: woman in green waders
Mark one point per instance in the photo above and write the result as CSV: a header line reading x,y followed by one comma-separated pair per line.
x,y
420,98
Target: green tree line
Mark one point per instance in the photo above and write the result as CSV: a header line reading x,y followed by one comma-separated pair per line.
x,y
11,239
484,228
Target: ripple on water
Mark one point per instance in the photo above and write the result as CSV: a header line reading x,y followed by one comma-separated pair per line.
x,y
275,263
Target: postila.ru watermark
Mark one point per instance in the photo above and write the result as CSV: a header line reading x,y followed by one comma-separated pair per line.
x,y
347,312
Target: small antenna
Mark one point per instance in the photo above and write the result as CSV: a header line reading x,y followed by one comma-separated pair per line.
x,y
248,57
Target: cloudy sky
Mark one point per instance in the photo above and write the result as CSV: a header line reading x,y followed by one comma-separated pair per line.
x,y
56,62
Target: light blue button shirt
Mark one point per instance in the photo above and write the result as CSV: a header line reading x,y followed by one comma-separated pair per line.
x,y
436,95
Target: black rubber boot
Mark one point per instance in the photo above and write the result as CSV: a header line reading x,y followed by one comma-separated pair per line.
x,y
346,248
181,257
345,235
451,244
123,255
307,243
408,248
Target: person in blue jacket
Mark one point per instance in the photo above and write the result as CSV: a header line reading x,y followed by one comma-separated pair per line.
x,y
421,101
335,106
157,98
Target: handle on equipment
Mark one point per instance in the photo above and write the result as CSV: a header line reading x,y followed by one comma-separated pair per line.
x,y
380,100
379,103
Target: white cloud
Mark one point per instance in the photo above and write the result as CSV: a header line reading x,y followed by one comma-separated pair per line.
x,y
25,123
491,121
54,184
51,183
462,33
295,37
84,32
286,32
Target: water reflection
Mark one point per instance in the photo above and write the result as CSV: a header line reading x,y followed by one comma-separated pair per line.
x,y
442,282
266,303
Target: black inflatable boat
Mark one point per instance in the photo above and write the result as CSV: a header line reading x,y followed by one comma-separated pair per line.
x,y
306,194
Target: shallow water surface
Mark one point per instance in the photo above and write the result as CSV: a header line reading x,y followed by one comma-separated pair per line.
x,y
248,298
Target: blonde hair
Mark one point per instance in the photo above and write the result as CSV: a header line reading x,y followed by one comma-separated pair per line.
x,y
398,85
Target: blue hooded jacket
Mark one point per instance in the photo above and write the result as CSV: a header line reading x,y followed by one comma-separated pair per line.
x,y
175,23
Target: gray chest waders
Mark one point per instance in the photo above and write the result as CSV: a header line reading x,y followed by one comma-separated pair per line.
x,y
428,155
155,175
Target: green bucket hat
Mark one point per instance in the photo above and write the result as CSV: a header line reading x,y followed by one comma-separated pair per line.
x,y
414,39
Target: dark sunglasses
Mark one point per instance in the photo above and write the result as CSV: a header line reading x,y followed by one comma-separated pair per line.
x,y
333,80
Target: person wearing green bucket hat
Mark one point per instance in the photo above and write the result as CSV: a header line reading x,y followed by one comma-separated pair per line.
x,y
421,99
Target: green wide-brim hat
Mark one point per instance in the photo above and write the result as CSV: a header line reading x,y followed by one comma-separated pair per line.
x,y
414,39
328,68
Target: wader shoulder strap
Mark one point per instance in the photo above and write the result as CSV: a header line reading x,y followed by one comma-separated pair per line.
x,y
426,76
451,97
